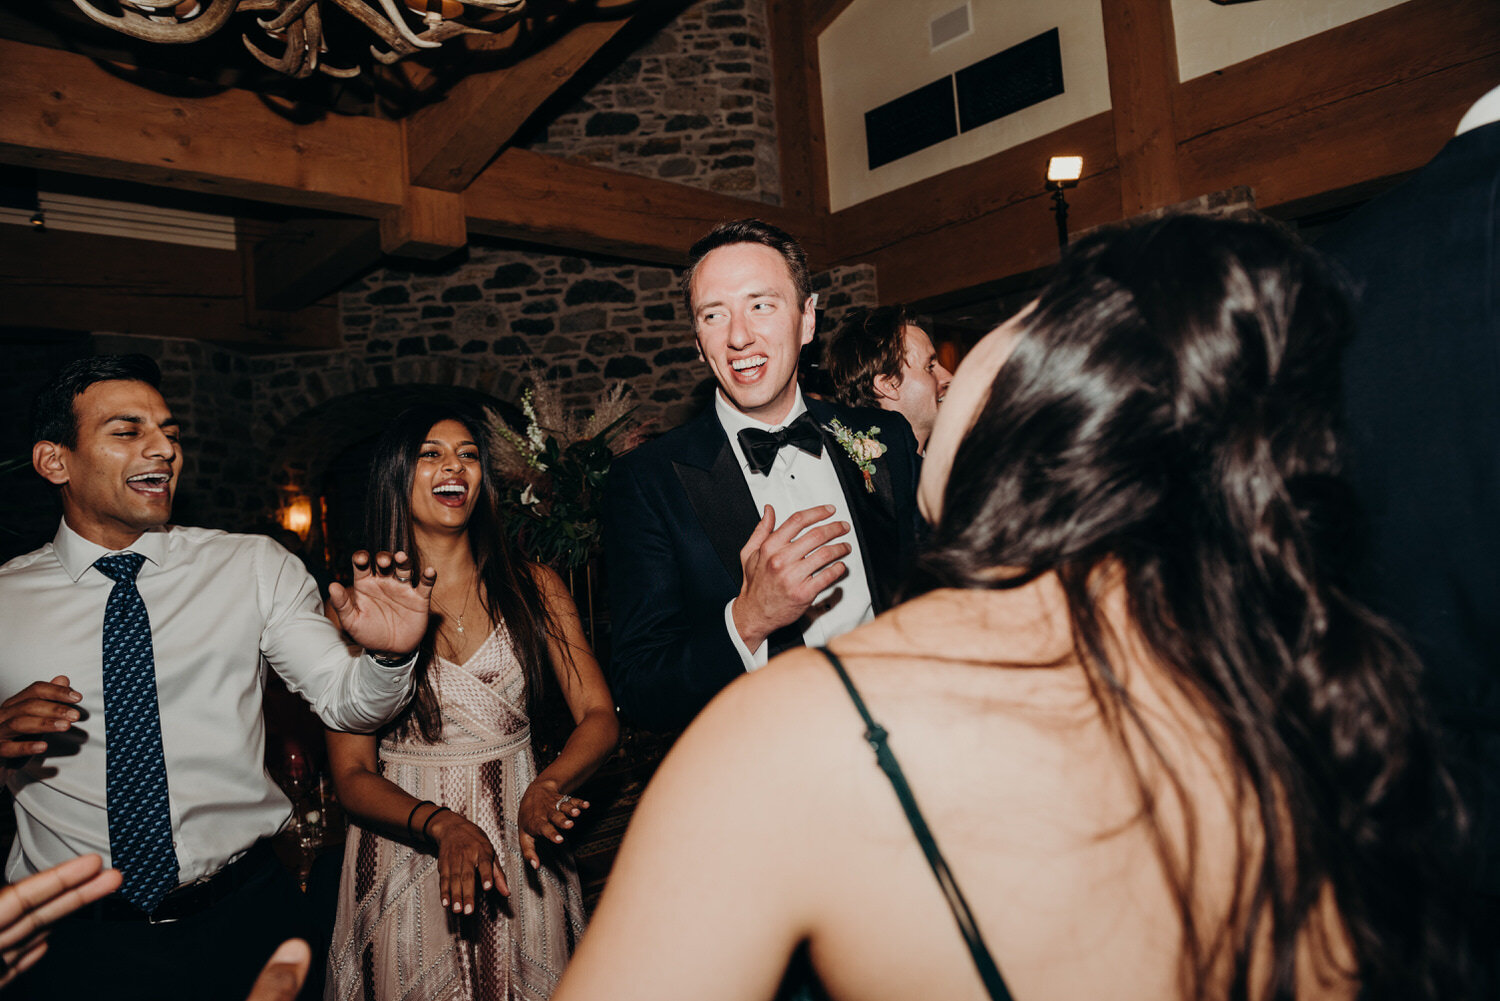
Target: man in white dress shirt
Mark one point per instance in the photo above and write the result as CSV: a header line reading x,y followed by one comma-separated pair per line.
x,y
753,527
217,604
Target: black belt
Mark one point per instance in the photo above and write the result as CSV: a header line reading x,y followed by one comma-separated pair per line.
x,y
190,898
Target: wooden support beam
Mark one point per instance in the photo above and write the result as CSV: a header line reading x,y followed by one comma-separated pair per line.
x,y
80,281
800,142
61,111
304,260
548,200
450,142
429,224
1142,54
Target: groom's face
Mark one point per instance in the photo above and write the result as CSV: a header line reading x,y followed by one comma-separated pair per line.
x,y
751,327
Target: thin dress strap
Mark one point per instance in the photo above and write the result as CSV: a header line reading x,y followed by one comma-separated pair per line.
x,y
876,735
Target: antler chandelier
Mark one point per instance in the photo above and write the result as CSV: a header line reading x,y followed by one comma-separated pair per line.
x,y
402,28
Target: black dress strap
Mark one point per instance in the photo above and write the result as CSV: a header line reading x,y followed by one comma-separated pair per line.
x,y
876,735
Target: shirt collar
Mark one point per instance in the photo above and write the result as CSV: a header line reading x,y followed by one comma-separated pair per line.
x,y
733,421
77,554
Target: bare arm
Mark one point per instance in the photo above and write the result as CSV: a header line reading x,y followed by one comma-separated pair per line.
x,y
464,852
712,890
595,731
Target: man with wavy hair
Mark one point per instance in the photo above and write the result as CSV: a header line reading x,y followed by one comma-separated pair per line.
x,y
879,358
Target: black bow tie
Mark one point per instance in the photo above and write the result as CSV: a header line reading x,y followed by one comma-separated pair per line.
x,y
760,447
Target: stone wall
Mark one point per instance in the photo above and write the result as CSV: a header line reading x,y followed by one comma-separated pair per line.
x,y
692,105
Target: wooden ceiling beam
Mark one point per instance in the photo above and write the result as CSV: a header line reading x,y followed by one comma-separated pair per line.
x,y
61,111
450,142
544,199
429,224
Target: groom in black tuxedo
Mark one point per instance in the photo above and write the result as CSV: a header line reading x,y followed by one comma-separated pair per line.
x,y
752,528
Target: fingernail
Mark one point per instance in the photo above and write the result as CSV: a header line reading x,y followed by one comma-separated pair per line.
x,y
488,885
61,724
557,838
445,901
75,696
468,908
535,864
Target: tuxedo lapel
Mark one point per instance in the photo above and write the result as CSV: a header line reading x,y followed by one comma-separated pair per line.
x,y
710,476
873,512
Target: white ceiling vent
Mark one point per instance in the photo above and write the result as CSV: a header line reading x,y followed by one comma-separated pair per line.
x,y
950,27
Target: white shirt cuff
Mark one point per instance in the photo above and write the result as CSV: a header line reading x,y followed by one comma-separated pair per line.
x,y
750,660
393,674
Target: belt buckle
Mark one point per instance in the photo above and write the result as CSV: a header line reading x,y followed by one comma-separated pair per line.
x,y
179,892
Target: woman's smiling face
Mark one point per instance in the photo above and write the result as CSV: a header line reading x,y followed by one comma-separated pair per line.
x,y
446,481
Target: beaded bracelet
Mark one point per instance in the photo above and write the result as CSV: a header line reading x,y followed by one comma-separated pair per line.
x,y
425,802
428,822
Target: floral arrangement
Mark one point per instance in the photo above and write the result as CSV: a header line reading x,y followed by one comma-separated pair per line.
x,y
861,447
555,471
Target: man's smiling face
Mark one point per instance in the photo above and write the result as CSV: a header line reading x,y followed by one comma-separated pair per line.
x,y
751,327
118,481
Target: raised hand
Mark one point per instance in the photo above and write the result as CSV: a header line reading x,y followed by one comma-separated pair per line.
x,y
40,709
465,856
29,907
383,611
545,813
786,568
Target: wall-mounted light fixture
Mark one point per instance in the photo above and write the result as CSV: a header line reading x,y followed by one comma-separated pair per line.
x,y
1062,172
296,517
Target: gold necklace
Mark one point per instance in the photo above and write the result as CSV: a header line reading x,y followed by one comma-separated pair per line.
x,y
469,594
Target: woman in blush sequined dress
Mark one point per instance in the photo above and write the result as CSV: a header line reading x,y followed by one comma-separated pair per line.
x,y
454,886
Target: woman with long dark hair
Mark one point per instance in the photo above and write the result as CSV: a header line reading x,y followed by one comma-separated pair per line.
x,y
1137,742
453,885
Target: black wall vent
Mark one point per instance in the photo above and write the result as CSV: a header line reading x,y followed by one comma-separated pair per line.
x,y
910,123
1008,81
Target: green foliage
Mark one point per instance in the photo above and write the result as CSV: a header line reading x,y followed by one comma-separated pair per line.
x,y
554,494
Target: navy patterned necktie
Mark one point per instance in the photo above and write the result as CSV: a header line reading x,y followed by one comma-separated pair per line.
x,y
135,782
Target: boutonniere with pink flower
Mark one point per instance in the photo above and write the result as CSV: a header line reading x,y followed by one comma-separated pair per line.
x,y
861,446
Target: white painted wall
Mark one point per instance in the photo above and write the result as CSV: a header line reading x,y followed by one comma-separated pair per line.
x,y
877,50
1211,37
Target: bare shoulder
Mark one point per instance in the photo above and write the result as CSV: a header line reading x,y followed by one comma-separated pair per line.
x,y
548,580
782,709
